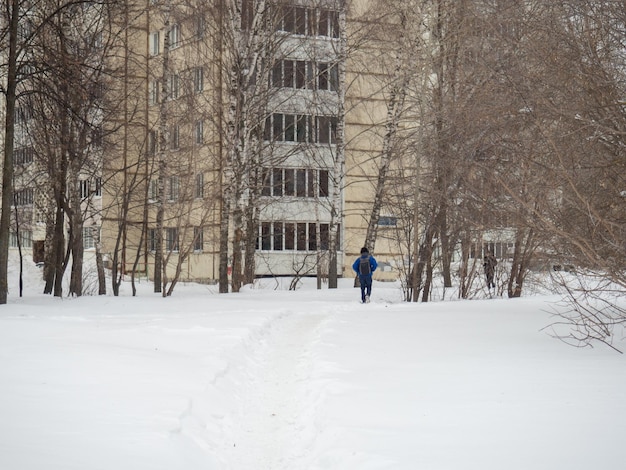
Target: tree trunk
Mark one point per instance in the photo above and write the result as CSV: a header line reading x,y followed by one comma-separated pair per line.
x,y
59,251
76,241
159,265
252,225
464,279
426,262
395,107
336,209
522,254
237,265
9,134
49,257
224,233
446,247
102,283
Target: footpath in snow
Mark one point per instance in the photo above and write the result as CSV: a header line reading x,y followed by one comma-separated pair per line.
x,y
305,380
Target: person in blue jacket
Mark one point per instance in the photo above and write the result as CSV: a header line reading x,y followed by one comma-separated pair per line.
x,y
364,266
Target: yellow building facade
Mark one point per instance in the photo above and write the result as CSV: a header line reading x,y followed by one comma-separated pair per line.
x,y
280,122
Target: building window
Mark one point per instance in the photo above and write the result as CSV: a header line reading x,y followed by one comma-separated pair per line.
x,y
26,239
173,83
290,128
290,181
499,249
98,186
277,127
290,236
266,238
278,235
300,23
323,183
299,128
155,43
175,137
294,236
266,189
387,221
83,187
88,240
301,242
89,188
308,21
96,136
154,92
304,129
199,132
24,30
324,236
97,40
171,239
174,36
199,193
328,77
310,183
23,155
326,130
153,140
328,24
198,79
23,114
278,188
23,197
198,239
286,22
174,189
153,190
312,236
199,26
289,73
301,182
152,239
301,73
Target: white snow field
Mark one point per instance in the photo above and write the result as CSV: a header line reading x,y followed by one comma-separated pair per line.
x,y
309,379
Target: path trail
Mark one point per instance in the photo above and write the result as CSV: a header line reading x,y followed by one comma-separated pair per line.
x,y
274,424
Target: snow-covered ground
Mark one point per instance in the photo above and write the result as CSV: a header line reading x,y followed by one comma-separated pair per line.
x,y
273,379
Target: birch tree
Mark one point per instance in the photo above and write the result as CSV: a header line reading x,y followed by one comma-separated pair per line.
x,y
9,35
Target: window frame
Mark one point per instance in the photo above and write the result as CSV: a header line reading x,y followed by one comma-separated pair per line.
x,y
174,36
171,239
199,187
199,132
155,43
198,239
198,79
173,193
296,236
89,242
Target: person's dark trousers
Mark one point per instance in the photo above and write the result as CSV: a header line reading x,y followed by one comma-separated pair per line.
x,y
366,286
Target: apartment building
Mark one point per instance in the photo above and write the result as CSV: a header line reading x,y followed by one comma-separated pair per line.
x,y
213,114
237,114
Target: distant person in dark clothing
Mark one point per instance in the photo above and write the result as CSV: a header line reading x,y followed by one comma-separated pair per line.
x,y
489,263
364,266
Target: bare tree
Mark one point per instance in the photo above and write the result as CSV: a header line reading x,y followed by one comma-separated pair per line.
x,y
70,52
26,67
9,34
